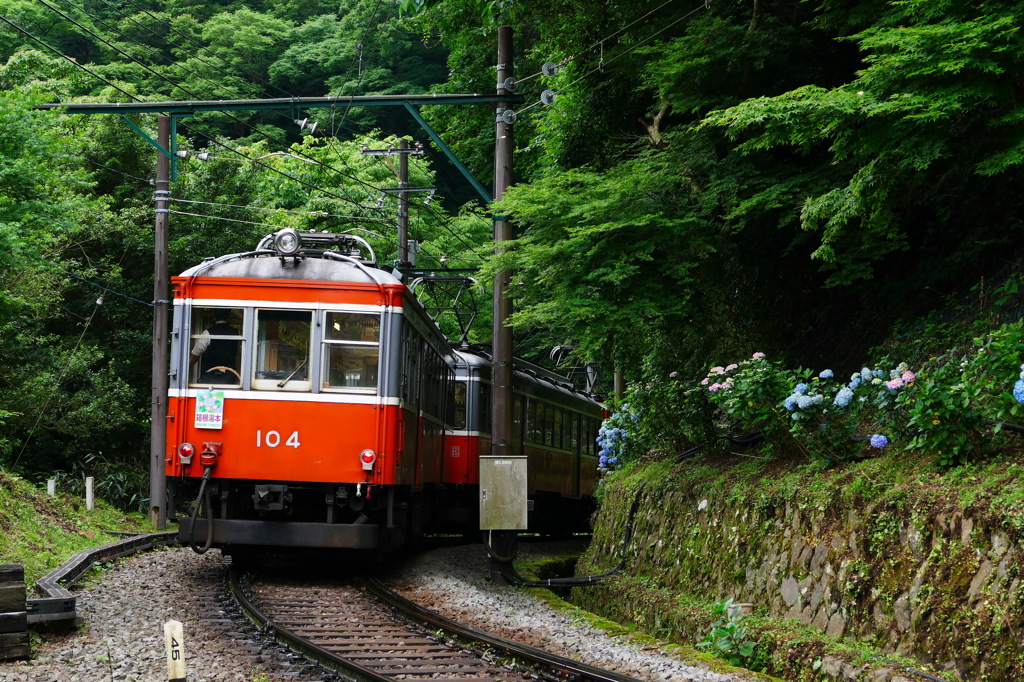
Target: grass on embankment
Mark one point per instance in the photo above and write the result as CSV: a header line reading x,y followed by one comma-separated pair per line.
x,y
41,532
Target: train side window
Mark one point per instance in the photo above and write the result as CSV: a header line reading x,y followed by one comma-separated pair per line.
x,y
574,431
458,409
215,356
557,429
283,340
351,351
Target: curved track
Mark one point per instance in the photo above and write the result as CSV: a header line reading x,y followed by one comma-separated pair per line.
x,y
385,637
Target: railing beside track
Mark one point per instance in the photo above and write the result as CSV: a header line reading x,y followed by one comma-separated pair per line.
x,y
58,603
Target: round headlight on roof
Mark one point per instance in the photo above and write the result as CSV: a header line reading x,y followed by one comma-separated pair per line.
x,y
287,242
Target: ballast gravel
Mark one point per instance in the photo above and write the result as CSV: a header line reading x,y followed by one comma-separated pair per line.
x,y
122,639
455,582
126,606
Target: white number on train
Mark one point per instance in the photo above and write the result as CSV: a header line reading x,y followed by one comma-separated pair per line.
x,y
273,438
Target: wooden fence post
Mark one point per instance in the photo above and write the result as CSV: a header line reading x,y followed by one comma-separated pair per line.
x,y
13,617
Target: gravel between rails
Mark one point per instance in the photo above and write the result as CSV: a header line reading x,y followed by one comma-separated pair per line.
x,y
454,581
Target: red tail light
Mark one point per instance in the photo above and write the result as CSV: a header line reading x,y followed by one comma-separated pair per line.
x,y
185,452
367,457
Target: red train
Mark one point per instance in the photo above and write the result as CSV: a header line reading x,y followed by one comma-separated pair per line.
x,y
314,403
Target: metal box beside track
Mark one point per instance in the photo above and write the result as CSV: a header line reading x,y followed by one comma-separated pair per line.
x,y
503,503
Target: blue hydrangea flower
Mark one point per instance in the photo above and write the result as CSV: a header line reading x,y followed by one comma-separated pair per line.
x,y
826,374
790,402
800,389
879,441
854,384
1018,391
866,374
844,397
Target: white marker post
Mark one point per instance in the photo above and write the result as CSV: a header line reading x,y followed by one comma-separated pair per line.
x,y
174,637
51,487
90,502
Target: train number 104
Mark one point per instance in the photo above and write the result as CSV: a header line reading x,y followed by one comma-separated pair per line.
x,y
271,439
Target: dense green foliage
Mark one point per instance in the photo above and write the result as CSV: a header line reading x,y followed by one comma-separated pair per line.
x,y
790,177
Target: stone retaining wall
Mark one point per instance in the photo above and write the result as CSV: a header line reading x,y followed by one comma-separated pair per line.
x,y
932,582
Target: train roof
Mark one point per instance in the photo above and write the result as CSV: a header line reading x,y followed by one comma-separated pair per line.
x,y
477,358
309,256
312,266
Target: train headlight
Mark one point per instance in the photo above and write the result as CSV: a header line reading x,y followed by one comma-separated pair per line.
x,y
367,458
287,242
185,452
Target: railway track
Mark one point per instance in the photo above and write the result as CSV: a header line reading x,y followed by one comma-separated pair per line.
x,y
361,630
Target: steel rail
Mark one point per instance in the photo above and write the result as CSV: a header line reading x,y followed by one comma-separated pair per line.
x,y
566,668
58,603
296,643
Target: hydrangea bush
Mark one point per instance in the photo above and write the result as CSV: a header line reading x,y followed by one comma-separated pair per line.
x,y
951,407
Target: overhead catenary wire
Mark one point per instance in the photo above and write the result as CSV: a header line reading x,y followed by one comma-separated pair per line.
x,y
213,140
115,170
310,213
69,59
195,96
605,62
64,371
255,78
250,222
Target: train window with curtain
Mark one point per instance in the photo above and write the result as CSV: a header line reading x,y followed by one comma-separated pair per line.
x,y
215,356
283,342
351,352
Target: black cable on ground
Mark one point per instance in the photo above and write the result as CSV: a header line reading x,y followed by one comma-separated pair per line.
x,y
510,574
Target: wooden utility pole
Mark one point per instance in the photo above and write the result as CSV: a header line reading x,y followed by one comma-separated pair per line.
x,y
501,377
158,415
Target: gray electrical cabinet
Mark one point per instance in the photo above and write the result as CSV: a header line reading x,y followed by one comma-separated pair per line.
x,y
503,503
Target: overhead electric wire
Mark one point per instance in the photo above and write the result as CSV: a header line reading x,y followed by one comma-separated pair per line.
x,y
630,49
608,37
137,99
443,223
114,170
107,289
64,56
170,26
50,394
255,78
308,214
270,226
194,96
359,71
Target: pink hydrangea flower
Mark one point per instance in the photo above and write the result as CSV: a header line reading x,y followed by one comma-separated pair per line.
x,y
714,387
731,367
673,375
908,377
704,382
718,370
894,384
758,355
